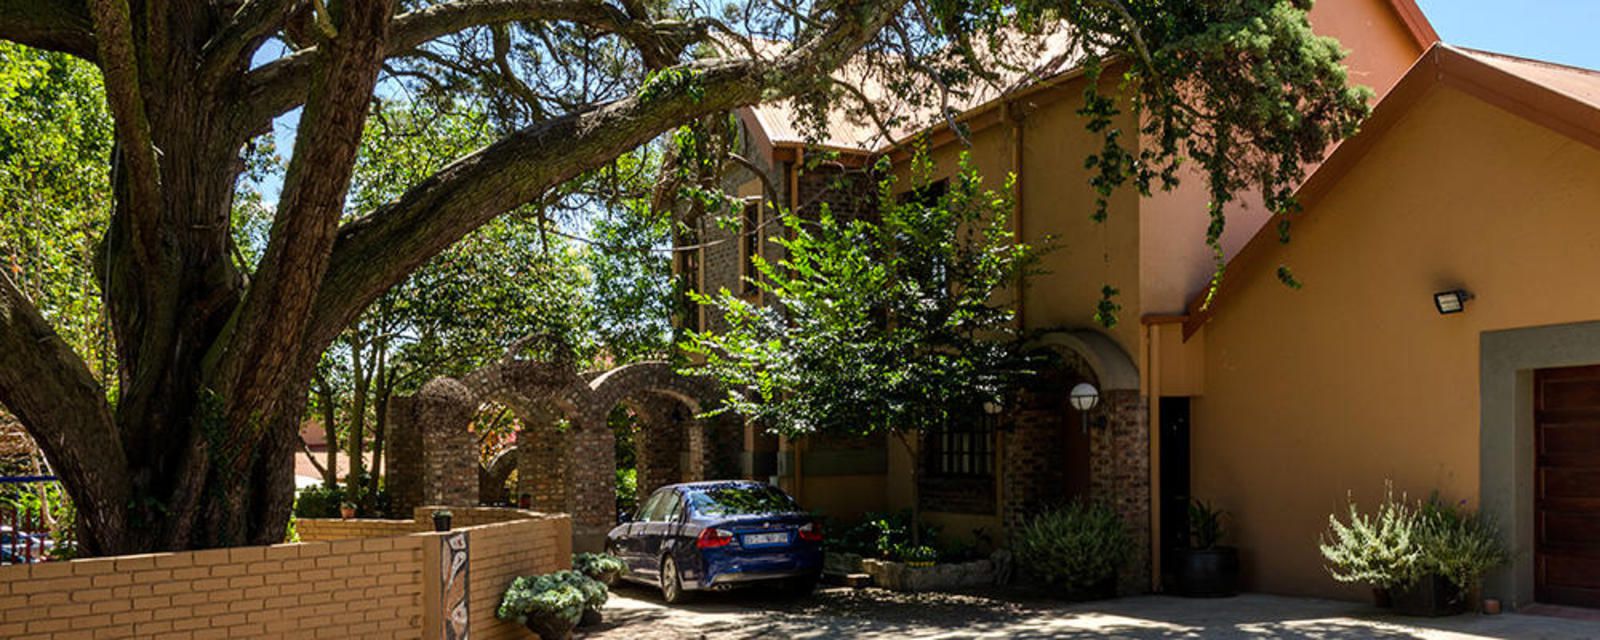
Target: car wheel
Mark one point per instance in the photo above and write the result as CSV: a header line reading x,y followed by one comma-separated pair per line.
x,y
671,583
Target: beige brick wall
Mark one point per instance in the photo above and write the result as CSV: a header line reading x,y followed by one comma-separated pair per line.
x,y
348,588
329,529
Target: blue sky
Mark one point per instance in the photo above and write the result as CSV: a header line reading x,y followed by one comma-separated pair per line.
x,y
1564,31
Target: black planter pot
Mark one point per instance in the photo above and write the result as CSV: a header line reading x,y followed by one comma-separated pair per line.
x,y
441,523
1431,596
591,617
1207,573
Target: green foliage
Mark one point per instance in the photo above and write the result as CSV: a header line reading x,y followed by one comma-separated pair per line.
x,y
1379,549
920,554
564,594
1458,544
885,536
1075,546
596,565
55,191
1205,524
1245,91
893,325
318,501
627,489
1404,541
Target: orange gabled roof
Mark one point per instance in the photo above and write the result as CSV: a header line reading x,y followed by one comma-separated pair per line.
x,y
1561,98
1416,22
774,123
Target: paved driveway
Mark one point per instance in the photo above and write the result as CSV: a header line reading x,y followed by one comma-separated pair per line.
x,y
636,614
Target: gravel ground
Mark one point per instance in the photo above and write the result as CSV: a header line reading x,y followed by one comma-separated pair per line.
x,y
638,614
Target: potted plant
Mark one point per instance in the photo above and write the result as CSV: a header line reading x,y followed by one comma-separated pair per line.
x,y
1076,550
600,566
919,556
441,520
1457,548
1205,569
551,605
1423,559
347,510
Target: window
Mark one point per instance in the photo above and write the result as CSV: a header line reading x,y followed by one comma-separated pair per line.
x,y
750,244
961,450
660,507
736,500
689,271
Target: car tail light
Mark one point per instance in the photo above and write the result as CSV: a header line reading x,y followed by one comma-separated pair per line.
x,y
811,532
713,538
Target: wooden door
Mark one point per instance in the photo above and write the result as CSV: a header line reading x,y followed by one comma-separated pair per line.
x,y
1567,486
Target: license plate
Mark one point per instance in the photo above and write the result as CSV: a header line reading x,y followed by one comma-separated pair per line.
x,y
765,539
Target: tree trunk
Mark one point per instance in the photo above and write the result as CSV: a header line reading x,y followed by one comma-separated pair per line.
x,y
916,485
360,379
380,422
325,402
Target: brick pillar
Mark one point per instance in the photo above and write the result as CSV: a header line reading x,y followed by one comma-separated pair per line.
x,y
592,480
542,465
1034,468
403,459
659,446
1120,476
443,409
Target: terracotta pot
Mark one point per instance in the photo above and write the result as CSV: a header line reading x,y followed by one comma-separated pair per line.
x,y
347,512
1491,606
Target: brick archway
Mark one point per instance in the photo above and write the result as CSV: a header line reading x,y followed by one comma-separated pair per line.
x,y
565,452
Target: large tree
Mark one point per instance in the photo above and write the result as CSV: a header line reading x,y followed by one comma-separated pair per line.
x,y
212,367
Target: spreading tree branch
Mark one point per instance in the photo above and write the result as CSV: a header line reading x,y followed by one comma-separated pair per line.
x,y
280,85
50,389
377,251
57,25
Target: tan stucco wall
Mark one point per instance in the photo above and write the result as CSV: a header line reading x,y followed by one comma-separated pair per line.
x,y
1353,379
1175,261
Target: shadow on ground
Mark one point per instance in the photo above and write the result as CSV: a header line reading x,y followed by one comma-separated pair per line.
x,y
639,614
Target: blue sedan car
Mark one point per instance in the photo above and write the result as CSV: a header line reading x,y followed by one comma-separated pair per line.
x,y
718,535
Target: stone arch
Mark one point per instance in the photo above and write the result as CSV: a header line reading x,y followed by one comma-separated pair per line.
x,y
571,469
493,476
1117,437
1112,368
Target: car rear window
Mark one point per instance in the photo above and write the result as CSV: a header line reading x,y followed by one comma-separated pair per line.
x,y
735,500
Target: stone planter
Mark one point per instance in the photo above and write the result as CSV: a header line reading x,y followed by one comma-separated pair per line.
x,y
840,564
549,627
901,576
591,617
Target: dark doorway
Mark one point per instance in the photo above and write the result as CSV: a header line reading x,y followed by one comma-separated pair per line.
x,y
1174,478
1567,486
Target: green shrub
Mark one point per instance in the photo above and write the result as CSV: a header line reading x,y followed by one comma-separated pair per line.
x,y
1076,546
318,501
1380,549
1456,543
627,490
595,565
1205,525
1403,542
563,594
881,535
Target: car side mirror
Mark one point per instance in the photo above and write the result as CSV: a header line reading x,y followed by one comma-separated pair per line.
x,y
624,517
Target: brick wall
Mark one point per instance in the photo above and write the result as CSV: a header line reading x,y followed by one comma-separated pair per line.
x,y
347,589
330,529
499,553
352,588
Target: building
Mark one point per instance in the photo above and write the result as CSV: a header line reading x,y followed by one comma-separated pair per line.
x,y
1475,172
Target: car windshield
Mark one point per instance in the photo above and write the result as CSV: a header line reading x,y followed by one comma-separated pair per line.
x,y
739,500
